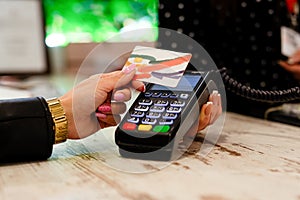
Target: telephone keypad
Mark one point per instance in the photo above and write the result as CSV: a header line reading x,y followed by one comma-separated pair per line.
x,y
156,111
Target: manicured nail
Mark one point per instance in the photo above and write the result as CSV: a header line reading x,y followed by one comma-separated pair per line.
x,y
101,115
128,69
141,88
119,96
104,108
215,92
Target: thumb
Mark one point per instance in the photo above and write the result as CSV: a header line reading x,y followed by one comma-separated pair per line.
x,y
110,81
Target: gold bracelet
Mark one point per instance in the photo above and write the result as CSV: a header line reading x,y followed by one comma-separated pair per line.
x,y
60,120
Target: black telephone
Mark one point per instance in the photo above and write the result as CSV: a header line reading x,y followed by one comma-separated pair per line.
x,y
159,118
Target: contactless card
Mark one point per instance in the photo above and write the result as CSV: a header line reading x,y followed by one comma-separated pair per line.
x,y
290,41
158,66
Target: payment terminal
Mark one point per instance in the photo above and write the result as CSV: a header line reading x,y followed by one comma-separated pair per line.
x,y
157,121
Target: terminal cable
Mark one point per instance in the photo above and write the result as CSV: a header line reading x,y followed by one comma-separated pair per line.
x,y
267,96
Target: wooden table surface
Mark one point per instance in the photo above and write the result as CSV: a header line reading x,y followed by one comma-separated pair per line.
x,y
253,159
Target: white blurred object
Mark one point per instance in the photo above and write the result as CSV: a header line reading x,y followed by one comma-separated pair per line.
x,y
292,109
11,93
290,41
45,86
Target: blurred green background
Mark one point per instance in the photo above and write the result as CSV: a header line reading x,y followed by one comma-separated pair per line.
x,y
73,21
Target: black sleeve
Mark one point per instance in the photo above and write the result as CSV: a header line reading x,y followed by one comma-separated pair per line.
x,y
26,130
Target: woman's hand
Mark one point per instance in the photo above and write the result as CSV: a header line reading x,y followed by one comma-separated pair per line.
x,y
98,101
84,99
292,65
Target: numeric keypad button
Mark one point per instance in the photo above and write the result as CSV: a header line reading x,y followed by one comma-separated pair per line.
x,y
157,109
146,102
137,114
177,103
133,120
161,102
174,96
166,122
156,94
142,108
147,94
184,96
165,95
154,115
149,121
169,116
174,109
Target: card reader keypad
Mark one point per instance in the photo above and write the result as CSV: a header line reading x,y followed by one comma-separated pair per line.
x,y
156,111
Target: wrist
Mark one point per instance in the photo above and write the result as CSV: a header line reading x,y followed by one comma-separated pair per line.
x,y
59,118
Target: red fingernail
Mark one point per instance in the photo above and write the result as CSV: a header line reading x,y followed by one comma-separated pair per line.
x,y
104,108
141,88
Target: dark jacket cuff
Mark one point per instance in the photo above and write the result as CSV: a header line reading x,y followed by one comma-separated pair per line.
x,y
26,130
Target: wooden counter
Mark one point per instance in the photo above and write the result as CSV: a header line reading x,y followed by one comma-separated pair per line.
x,y
253,159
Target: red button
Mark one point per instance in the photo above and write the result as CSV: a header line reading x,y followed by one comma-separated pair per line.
x,y
129,126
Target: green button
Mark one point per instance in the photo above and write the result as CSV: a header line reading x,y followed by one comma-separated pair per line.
x,y
161,129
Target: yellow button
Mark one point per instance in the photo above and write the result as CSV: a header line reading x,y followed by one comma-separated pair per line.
x,y
144,127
